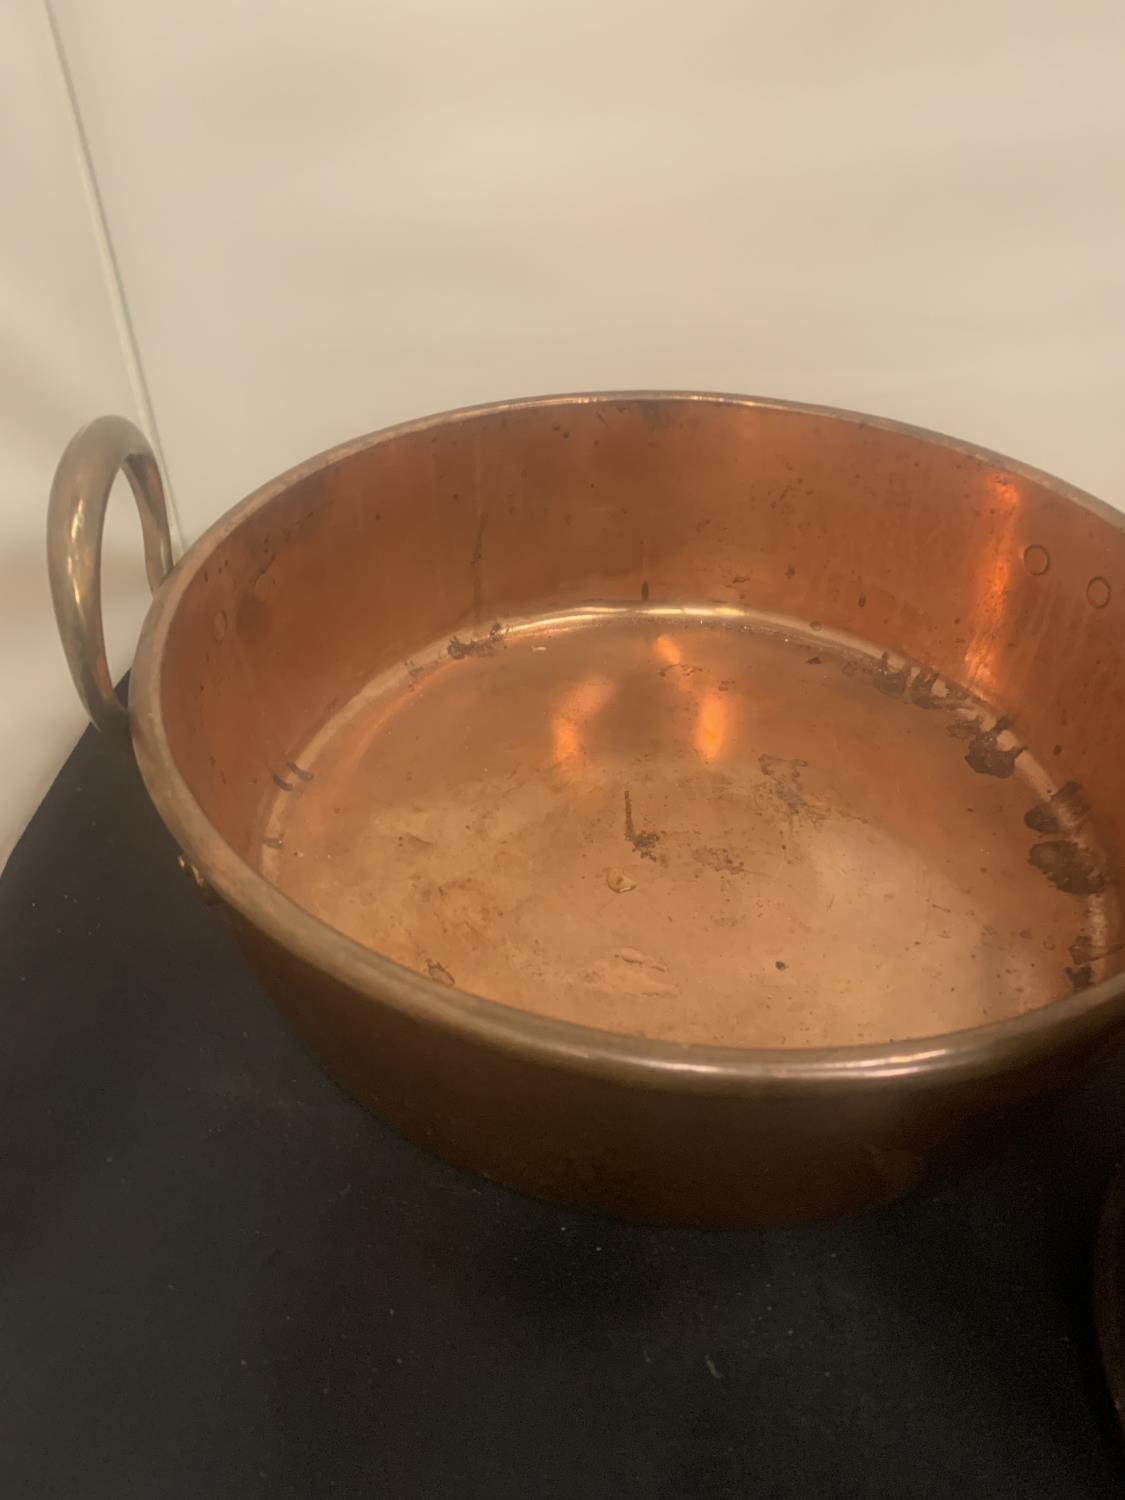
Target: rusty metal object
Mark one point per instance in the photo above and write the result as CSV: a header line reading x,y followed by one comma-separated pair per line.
x,y
702,809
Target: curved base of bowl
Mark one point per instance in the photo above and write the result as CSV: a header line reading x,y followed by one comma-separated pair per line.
x,y
759,1157
698,826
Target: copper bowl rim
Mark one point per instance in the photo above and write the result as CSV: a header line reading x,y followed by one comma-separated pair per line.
x,y
636,1059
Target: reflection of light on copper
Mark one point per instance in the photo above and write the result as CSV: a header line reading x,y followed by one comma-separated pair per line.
x,y
711,725
574,711
667,650
991,590
712,710
565,735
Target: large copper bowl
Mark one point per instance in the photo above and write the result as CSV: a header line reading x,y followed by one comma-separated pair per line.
x,y
705,810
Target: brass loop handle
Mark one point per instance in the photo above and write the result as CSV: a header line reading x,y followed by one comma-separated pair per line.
x,y
75,522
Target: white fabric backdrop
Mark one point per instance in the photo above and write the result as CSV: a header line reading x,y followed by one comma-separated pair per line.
x,y
62,358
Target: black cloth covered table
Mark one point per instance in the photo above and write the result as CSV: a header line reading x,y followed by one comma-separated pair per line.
x,y
220,1277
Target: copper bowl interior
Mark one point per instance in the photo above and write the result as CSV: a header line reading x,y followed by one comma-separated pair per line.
x,y
689,718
